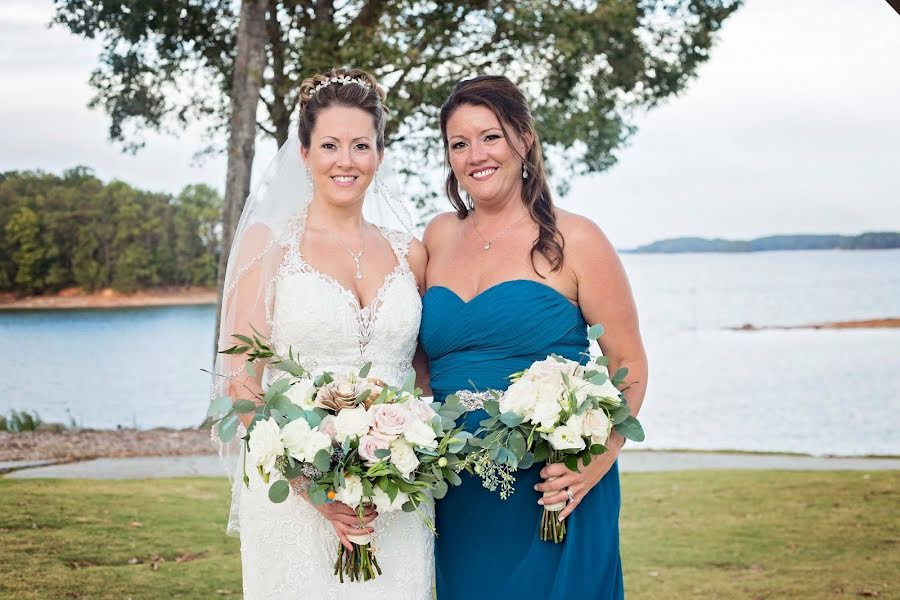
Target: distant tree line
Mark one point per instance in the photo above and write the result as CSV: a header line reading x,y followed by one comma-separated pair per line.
x,y
876,240
74,230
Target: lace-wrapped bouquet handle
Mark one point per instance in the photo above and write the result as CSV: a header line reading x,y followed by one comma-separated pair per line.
x,y
351,438
555,411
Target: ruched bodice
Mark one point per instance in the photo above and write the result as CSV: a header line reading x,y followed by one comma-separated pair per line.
x,y
488,547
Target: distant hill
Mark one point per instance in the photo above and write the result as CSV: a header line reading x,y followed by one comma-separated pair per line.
x,y
876,240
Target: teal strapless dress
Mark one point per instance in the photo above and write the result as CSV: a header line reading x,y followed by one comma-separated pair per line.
x,y
488,547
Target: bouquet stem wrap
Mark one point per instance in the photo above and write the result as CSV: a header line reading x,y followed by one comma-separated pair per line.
x,y
552,529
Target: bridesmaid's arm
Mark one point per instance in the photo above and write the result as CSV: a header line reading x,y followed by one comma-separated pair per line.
x,y
418,261
604,297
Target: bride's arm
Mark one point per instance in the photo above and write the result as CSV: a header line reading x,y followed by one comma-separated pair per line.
x,y
246,306
418,261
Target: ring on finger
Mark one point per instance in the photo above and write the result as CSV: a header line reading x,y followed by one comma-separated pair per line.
x,y
570,495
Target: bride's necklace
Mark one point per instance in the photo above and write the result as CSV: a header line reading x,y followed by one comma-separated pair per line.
x,y
488,243
355,256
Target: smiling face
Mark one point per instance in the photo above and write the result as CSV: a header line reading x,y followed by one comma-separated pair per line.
x,y
342,155
481,156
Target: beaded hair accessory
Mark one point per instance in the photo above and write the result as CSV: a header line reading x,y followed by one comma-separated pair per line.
x,y
342,80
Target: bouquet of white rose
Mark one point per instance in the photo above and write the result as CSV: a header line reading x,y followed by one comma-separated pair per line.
x,y
353,439
557,411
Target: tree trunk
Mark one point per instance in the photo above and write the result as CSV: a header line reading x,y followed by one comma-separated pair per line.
x,y
245,86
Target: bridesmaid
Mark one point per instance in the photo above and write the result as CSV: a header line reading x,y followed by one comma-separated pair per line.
x,y
512,279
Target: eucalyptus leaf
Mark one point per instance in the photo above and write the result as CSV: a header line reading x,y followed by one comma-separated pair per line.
x,y
362,396
250,370
364,372
289,366
620,375
277,388
620,414
526,461
409,385
511,419
382,453
219,405
595,331
317,496
439,490
322,461
227,428
312,417
631,429
279,491
492,407
602,361
452,476
244,406
517,443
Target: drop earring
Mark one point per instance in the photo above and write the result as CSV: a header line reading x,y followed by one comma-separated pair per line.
x,y
524,171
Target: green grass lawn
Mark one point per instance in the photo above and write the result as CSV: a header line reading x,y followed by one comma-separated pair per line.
x,y
701,534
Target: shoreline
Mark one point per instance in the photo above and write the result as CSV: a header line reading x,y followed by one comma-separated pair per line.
x,y
884,323
74,445
74,298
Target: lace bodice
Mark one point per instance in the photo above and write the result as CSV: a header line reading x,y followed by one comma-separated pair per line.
x,y
327,329
288,549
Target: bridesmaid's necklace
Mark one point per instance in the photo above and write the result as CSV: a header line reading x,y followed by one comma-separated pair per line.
x,y
355,256
488,243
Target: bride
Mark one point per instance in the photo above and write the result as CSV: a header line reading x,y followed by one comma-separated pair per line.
x,y
311,269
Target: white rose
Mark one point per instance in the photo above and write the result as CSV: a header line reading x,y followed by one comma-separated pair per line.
x,y
550,370
351,492
383,502
565,438
596,425
265,444
368,444
302,393
351,423
420,409
316,441
404,457
607,391
419,433
389,420
294,436
520,398
546,413
327,426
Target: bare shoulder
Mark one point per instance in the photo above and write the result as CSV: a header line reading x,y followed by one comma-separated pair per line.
x,y
583,237
418,255
440,227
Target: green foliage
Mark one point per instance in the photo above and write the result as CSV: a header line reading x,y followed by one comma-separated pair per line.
x,y
18,421
75,230
586,67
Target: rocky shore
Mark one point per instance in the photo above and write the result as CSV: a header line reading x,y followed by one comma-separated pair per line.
x,y
74,298
84,444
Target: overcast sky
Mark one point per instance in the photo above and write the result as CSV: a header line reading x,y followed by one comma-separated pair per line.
x,y
793,126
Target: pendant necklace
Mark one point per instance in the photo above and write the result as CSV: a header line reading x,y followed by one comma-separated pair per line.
x,y
356,257
488,243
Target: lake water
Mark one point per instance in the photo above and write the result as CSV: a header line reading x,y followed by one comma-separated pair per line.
x,y
817,392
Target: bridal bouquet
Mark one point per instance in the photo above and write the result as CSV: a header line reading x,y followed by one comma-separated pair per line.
x,y
556,411
352,439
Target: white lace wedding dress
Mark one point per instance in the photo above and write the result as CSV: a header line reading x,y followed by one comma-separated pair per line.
x,y
288,550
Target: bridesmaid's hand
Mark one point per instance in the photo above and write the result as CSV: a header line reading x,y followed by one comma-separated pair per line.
x,y
345,520
579,483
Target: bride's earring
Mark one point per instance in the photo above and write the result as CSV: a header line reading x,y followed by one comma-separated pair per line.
x,y
309,181
524,171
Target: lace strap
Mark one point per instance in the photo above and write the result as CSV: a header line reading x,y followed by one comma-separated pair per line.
x,y
399,241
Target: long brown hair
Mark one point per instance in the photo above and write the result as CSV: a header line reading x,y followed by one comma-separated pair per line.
x,y
368,97
508,104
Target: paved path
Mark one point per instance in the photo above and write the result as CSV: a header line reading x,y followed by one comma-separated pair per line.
x,y
630,461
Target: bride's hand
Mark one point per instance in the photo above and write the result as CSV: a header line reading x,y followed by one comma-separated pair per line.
x,y
345,520
578,483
